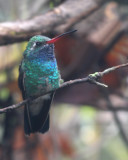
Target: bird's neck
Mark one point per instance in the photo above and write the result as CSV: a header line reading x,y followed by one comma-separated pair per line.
x,y
43,55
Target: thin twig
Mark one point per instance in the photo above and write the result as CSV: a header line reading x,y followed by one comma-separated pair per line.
x,y
92,78
115,116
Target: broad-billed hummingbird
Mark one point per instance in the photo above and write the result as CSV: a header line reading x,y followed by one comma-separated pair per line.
x,y
38,74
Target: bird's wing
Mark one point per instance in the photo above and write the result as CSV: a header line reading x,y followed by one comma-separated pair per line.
x,y
22,88
36,113
21,81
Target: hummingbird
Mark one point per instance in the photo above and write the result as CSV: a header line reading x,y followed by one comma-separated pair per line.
x,y
39,74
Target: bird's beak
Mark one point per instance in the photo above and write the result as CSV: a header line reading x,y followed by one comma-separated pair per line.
x,y
53,40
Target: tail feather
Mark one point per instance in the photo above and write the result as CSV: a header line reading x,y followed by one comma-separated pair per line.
x,y
45,127
36,115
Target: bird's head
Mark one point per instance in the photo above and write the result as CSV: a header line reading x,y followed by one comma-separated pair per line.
x,y
42,45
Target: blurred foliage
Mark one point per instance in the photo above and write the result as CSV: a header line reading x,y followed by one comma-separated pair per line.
x,y
4,93
83,126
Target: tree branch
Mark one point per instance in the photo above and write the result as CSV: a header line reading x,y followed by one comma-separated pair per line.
x,y
92,78
58,20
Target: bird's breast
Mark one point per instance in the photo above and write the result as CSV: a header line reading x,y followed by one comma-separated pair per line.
x,y
40,77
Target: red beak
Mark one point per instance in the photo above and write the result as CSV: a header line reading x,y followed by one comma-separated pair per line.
x,y
53,40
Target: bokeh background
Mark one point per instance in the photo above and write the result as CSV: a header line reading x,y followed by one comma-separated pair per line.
x,y
87,122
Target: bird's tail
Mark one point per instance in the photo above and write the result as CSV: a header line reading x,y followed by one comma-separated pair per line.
x,y
36,115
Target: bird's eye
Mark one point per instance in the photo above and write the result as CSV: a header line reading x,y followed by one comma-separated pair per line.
x,y
38,43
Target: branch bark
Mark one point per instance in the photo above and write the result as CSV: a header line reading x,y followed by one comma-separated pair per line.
x,y
92,78
58,20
